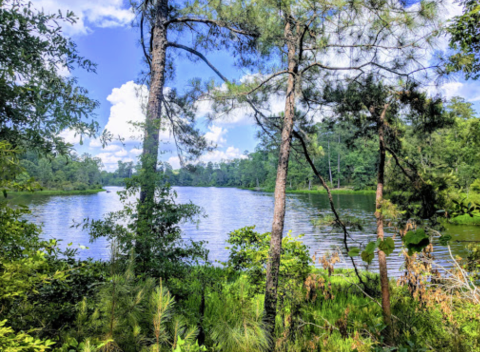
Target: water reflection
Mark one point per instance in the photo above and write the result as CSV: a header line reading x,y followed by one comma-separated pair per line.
x,y
228,209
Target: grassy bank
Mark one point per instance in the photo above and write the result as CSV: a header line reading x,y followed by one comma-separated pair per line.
x,y
466,220
55,192
317,191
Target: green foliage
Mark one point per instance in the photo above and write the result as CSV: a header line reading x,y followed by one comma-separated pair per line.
x,y
184,346
37,102
20,342
354,252
465,40
249,253
416,241
66,173
234,318
387,246
159,248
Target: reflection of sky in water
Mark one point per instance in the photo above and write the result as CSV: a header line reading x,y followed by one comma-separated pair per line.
x,y
228,209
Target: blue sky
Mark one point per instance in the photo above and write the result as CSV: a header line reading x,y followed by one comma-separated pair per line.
x,y
104,35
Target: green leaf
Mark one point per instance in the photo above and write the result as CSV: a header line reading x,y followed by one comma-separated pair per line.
x,y
354,252
387,245
370,248
444,239
416,241
367,256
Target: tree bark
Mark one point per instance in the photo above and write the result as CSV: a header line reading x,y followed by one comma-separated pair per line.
x,y
155,99
152,123
382,258
329,165
338,152
273,264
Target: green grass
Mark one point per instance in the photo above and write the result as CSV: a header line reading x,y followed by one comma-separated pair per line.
x,y
466,220
54,192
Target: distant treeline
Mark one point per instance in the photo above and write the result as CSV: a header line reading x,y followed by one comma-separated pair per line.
x,y
346,160
65,173
341,167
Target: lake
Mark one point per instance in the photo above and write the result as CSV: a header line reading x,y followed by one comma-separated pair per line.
x,y
228,209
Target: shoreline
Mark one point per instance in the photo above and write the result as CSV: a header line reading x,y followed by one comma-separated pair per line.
x,y
315,191
54,192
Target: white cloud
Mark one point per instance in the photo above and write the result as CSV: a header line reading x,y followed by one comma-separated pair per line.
x,y
136,151
90,13
216,135
70,136
126,111
215,156
121,153
469,90
111,147
110,160
218,155
174,161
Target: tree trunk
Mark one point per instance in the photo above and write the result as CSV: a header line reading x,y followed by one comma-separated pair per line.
x,y
382,258
152,123
329,165
273,265
309,184
338,152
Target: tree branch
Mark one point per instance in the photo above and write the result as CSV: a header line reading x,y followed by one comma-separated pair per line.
x,y
212,22
199,55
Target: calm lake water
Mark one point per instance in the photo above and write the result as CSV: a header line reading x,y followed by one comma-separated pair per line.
x,y
228,209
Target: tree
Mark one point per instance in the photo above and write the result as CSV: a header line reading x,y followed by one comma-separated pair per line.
x,y
465,40
166,109
37,102
379,110
300,40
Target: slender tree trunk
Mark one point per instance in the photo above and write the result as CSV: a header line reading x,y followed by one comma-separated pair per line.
x,y
329,165
338,152
309,184
273,265
152,123
382,258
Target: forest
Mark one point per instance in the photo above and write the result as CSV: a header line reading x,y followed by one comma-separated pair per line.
x,y
353,78
347,161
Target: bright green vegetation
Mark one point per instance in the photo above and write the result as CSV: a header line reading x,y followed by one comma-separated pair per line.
x,y
466,220
159,292
53,192
88,306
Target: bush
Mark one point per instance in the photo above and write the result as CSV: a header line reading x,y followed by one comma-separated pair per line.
x,y
249,253
475,186
80,186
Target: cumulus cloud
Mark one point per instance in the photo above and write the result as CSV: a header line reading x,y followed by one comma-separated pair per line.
x,y
468,90
70,136
90,13
136,151
127,110
216,135
215,156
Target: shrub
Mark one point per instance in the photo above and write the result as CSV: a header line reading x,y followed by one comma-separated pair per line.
x,y
249,253
475,186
